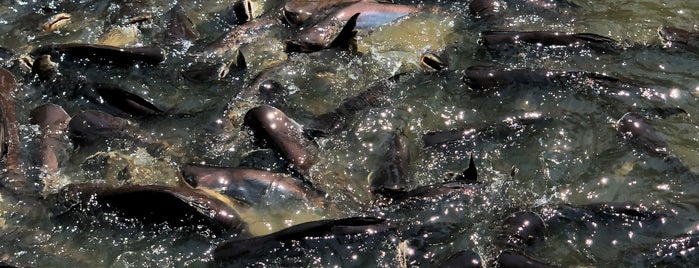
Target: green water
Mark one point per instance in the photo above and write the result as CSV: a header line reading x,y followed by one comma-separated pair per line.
x,y
575,158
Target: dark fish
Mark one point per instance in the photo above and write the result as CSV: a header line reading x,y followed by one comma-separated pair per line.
x,y
248,185
511,259
44,68
152,204
616,219
212,71
682,37
678,251
13,178
273,93
608,211
485,8
484,77
133,11
54,146
6,264
339,119
283,134
488,9
545,4
254,88
179,26
464,188
636,129
504,39
236,248
5,55
665,112
488,77
91,125
122,100
296,12
498,130
393,173
462,259
642,135
103,54
334,31
524,228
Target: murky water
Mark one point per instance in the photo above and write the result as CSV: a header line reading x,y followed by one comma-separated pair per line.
x,y
554,167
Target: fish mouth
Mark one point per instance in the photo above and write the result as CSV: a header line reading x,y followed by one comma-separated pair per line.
x,y
291,18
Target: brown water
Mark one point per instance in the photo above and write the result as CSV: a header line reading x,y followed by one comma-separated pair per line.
x,y
577,157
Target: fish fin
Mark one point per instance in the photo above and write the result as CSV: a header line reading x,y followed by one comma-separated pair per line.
x,y
346,35
470,174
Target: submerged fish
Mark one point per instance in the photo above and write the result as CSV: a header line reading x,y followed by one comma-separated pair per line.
x,y
393,173
238,248
680,37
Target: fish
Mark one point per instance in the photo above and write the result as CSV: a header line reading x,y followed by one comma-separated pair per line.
x,y
461,259
237,248
335,31
5,55
509,258
489,131
13,179
337,28
271,126
523,228
375,14
489,9
179,27
248,185
132,11
44,68
91,125
506,39
676,36
393,173
121,100
485,8
230,42
150,204
638,131
436,190
296,12
104,54
54,147
338,120
485,77
676,251
642,135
